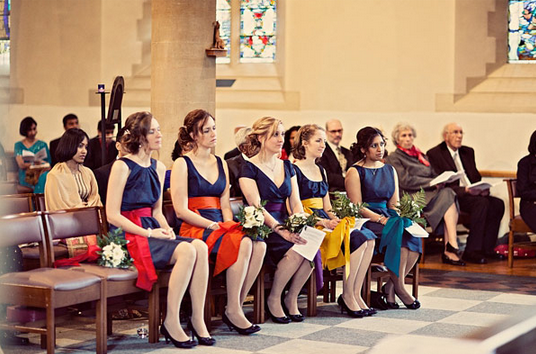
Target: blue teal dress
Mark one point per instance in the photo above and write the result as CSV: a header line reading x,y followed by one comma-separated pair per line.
x,y
36,147
142,190
377,187
276,198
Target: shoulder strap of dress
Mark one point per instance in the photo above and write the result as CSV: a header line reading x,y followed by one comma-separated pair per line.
x,y
129,162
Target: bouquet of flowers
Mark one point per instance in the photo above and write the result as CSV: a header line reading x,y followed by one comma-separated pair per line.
x,y
113,253
251,219
295,223
342,206
411,206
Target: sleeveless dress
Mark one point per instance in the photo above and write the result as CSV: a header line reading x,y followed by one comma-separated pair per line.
x,y
142,191
276,198
204,199
377,187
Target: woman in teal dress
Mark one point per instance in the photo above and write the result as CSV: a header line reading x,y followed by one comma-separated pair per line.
x,y
28,129
371,181
267,178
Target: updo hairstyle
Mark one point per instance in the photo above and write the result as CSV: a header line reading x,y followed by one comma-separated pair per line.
x,y
263,127
364,138
193,123
136,129
305,133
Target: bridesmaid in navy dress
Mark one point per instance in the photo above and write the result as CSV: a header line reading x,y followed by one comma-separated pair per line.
x,y
200,194
266,177
309,146
370,180
134,203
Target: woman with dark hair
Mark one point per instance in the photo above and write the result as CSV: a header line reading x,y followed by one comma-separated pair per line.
x,y
70,184
134,203
31,175
371,181
267,178
526,184
286,153
200,194
309,145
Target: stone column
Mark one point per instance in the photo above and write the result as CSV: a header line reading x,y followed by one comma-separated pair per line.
x,y
182,76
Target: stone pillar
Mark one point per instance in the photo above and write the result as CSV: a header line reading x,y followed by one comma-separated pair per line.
x,y
182,76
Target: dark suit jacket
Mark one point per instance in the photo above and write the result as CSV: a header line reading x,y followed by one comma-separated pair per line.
x,y
330,162
230,154
52,148
94,158
101,175
235,166
526,178
442,161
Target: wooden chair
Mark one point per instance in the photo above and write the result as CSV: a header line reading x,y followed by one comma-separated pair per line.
x,y
8,188
47,288
516,223
16,203
39,202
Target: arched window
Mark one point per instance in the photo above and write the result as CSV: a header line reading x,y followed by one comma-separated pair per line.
x,y
522,31
248,28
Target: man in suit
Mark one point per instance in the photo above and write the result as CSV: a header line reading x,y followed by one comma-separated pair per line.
x,y
234,152
486,211
69,121
94,154
103,173
336,159
234,164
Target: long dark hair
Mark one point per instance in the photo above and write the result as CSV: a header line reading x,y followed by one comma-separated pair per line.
x,y
287,144
68,145
364,138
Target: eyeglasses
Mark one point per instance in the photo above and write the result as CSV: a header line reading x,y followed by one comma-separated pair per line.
x,y
335,131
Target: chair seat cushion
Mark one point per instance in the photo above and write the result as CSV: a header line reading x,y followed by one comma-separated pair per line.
x,y
517,224
110,274
32,252
57,279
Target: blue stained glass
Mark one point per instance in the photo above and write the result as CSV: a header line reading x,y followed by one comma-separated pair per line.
x,y
223,16
258,19
5,8
522,31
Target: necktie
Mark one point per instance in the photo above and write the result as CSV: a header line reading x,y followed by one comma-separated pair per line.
x,y
464,181
342,161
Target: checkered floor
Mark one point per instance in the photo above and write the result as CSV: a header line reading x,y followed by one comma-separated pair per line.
x,y
446,313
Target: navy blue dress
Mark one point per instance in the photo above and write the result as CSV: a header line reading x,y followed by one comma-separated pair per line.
x,y
377,187
318,189
142,190
276,197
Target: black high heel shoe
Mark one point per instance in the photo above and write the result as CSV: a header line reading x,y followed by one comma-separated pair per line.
x,y
413,306
202,340
245,331
447,260
282,320
389,305
187,344
293,318
344,307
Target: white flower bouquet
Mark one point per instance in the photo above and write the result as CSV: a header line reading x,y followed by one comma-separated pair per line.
x,y
251,219
113,253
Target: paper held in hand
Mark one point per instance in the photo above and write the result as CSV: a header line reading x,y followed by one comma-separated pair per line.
x,y
446,177
30,157
417,231
314,239
359,222
481,186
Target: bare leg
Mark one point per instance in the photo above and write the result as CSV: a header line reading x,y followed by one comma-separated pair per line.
x,y
362,272
236,274
298,281
183,258
407,261
451,219
198,288
348,284
255,265
286,268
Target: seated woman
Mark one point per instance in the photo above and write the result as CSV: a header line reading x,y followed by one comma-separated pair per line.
x,y
134,203
70,184
267,178
200,194
31,176
286,152
414,172
526,184
371,181
309,145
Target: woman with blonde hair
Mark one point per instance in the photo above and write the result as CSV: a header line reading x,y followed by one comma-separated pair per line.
x,y
200,194
267,178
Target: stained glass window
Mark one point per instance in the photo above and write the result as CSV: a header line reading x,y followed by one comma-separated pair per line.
x,y
223,15
522,31
257,31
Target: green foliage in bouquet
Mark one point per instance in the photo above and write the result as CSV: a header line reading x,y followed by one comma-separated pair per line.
x,y
343,207
411,206
251,219
113,253
295,223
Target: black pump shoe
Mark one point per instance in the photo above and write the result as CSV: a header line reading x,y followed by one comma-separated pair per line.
x,y
447,260
244,331
202,340
294,318
351,313
414,306
281,320
187,344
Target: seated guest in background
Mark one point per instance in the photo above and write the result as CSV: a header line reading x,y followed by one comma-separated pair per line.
x,y
70,184
103,173
290,134
235,164
175,154
31,179
414,172
375,183
235,152
69,121
309,145
486,211
336,159
526,185
94,155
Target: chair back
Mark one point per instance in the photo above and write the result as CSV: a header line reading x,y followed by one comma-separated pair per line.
x,y
16,203
23,228
236,203
512,193
169,213
73,222
39,202
8,188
